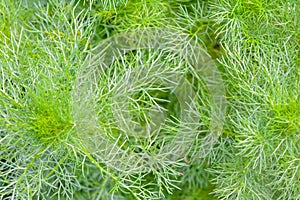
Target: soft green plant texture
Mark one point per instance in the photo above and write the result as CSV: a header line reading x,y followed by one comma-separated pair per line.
x,y
256,43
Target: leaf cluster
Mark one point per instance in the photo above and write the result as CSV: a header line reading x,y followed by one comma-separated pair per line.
x,y
42,152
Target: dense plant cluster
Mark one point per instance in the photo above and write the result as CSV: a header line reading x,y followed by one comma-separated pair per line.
x,y
46,153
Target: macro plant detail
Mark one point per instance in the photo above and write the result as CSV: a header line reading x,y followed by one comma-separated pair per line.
x,y
141,135
125,99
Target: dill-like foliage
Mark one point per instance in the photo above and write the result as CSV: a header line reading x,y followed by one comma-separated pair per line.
x,y
149,123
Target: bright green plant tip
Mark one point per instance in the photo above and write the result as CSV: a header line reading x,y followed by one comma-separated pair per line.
x,y
50,117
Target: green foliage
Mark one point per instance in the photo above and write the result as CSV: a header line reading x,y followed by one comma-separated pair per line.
x,y
261,65
43,45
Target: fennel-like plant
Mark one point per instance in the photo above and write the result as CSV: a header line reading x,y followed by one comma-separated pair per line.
x,y
117,99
